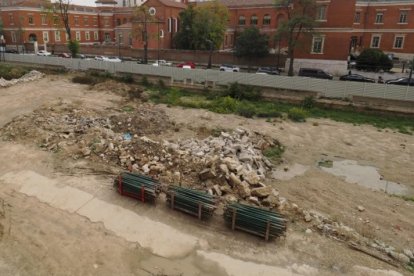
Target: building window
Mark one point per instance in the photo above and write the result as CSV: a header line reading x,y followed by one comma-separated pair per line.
x,y
317,44
106,21
31,22
95,21
357,18
375,41
78,36
266,19
107,37
44,19
11,19
399,42
242,20
253,20
403,17
321,13
57,36
124,21
46,36
169,25
87,36
55,20
77,20
96,35
13,37
118,21
86,21
379,17
66,36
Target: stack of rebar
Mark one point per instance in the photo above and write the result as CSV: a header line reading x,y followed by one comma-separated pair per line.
x,y
196,203
257,221
141,187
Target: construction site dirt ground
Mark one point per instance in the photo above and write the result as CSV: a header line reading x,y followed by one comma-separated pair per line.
x,y
59,219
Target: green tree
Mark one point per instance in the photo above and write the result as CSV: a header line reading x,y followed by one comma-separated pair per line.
x,y
300,22
183,39
252,44
202,27
373,60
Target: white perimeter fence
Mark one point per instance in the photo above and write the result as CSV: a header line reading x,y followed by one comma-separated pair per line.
x,y
326,88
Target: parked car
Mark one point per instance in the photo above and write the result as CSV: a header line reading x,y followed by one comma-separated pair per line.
x,y
356,77
314,73
64,55
112,59
100,58
43,53
229,68
161,62
187,67
187,63
401,81
11,51
268,71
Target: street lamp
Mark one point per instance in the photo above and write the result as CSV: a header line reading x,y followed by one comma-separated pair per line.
x,y
119,45
210,43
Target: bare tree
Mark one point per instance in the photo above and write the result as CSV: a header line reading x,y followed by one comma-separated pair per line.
x,y
300,21
142,19
64,6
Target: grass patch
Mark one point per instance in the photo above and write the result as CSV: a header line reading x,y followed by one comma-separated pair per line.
x,y
127,108
274,153
12,72
216,102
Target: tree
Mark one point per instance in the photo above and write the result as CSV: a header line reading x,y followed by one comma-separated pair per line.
x,y
142,18
62,7
300,21
202,27
252,44
373,60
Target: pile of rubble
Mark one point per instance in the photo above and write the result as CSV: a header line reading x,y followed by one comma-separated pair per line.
x,y
230,165
31,76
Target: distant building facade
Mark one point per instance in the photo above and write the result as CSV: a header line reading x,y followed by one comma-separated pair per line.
x,y
345,27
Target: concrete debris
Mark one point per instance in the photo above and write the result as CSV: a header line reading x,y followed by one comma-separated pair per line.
x,y
361,208
308,231
31,76
231,163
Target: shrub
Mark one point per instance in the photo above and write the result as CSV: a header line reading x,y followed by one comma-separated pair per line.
x,y
297,114
373,60
84,80
73,46
242,92
8,73
269,114
225,105
127,78
308,102
246,109
145,82
161,84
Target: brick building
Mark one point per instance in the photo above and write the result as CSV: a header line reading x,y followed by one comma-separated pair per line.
x,y
344,26
29,21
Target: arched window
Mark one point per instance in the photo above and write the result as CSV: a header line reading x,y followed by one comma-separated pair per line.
x,y
242,20
266,19
280,18
253,20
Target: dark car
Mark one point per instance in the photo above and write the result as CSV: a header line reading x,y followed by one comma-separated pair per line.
x,y
186,64
11,51
401,81
314,73
356,77
64,55
268,71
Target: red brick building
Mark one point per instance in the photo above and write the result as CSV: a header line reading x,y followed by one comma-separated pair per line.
x,y
344,26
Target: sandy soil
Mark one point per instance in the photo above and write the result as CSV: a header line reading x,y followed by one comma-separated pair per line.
x,y
52,223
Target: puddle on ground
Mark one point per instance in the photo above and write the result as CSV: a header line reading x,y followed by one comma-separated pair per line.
x,y
288,173
366,176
